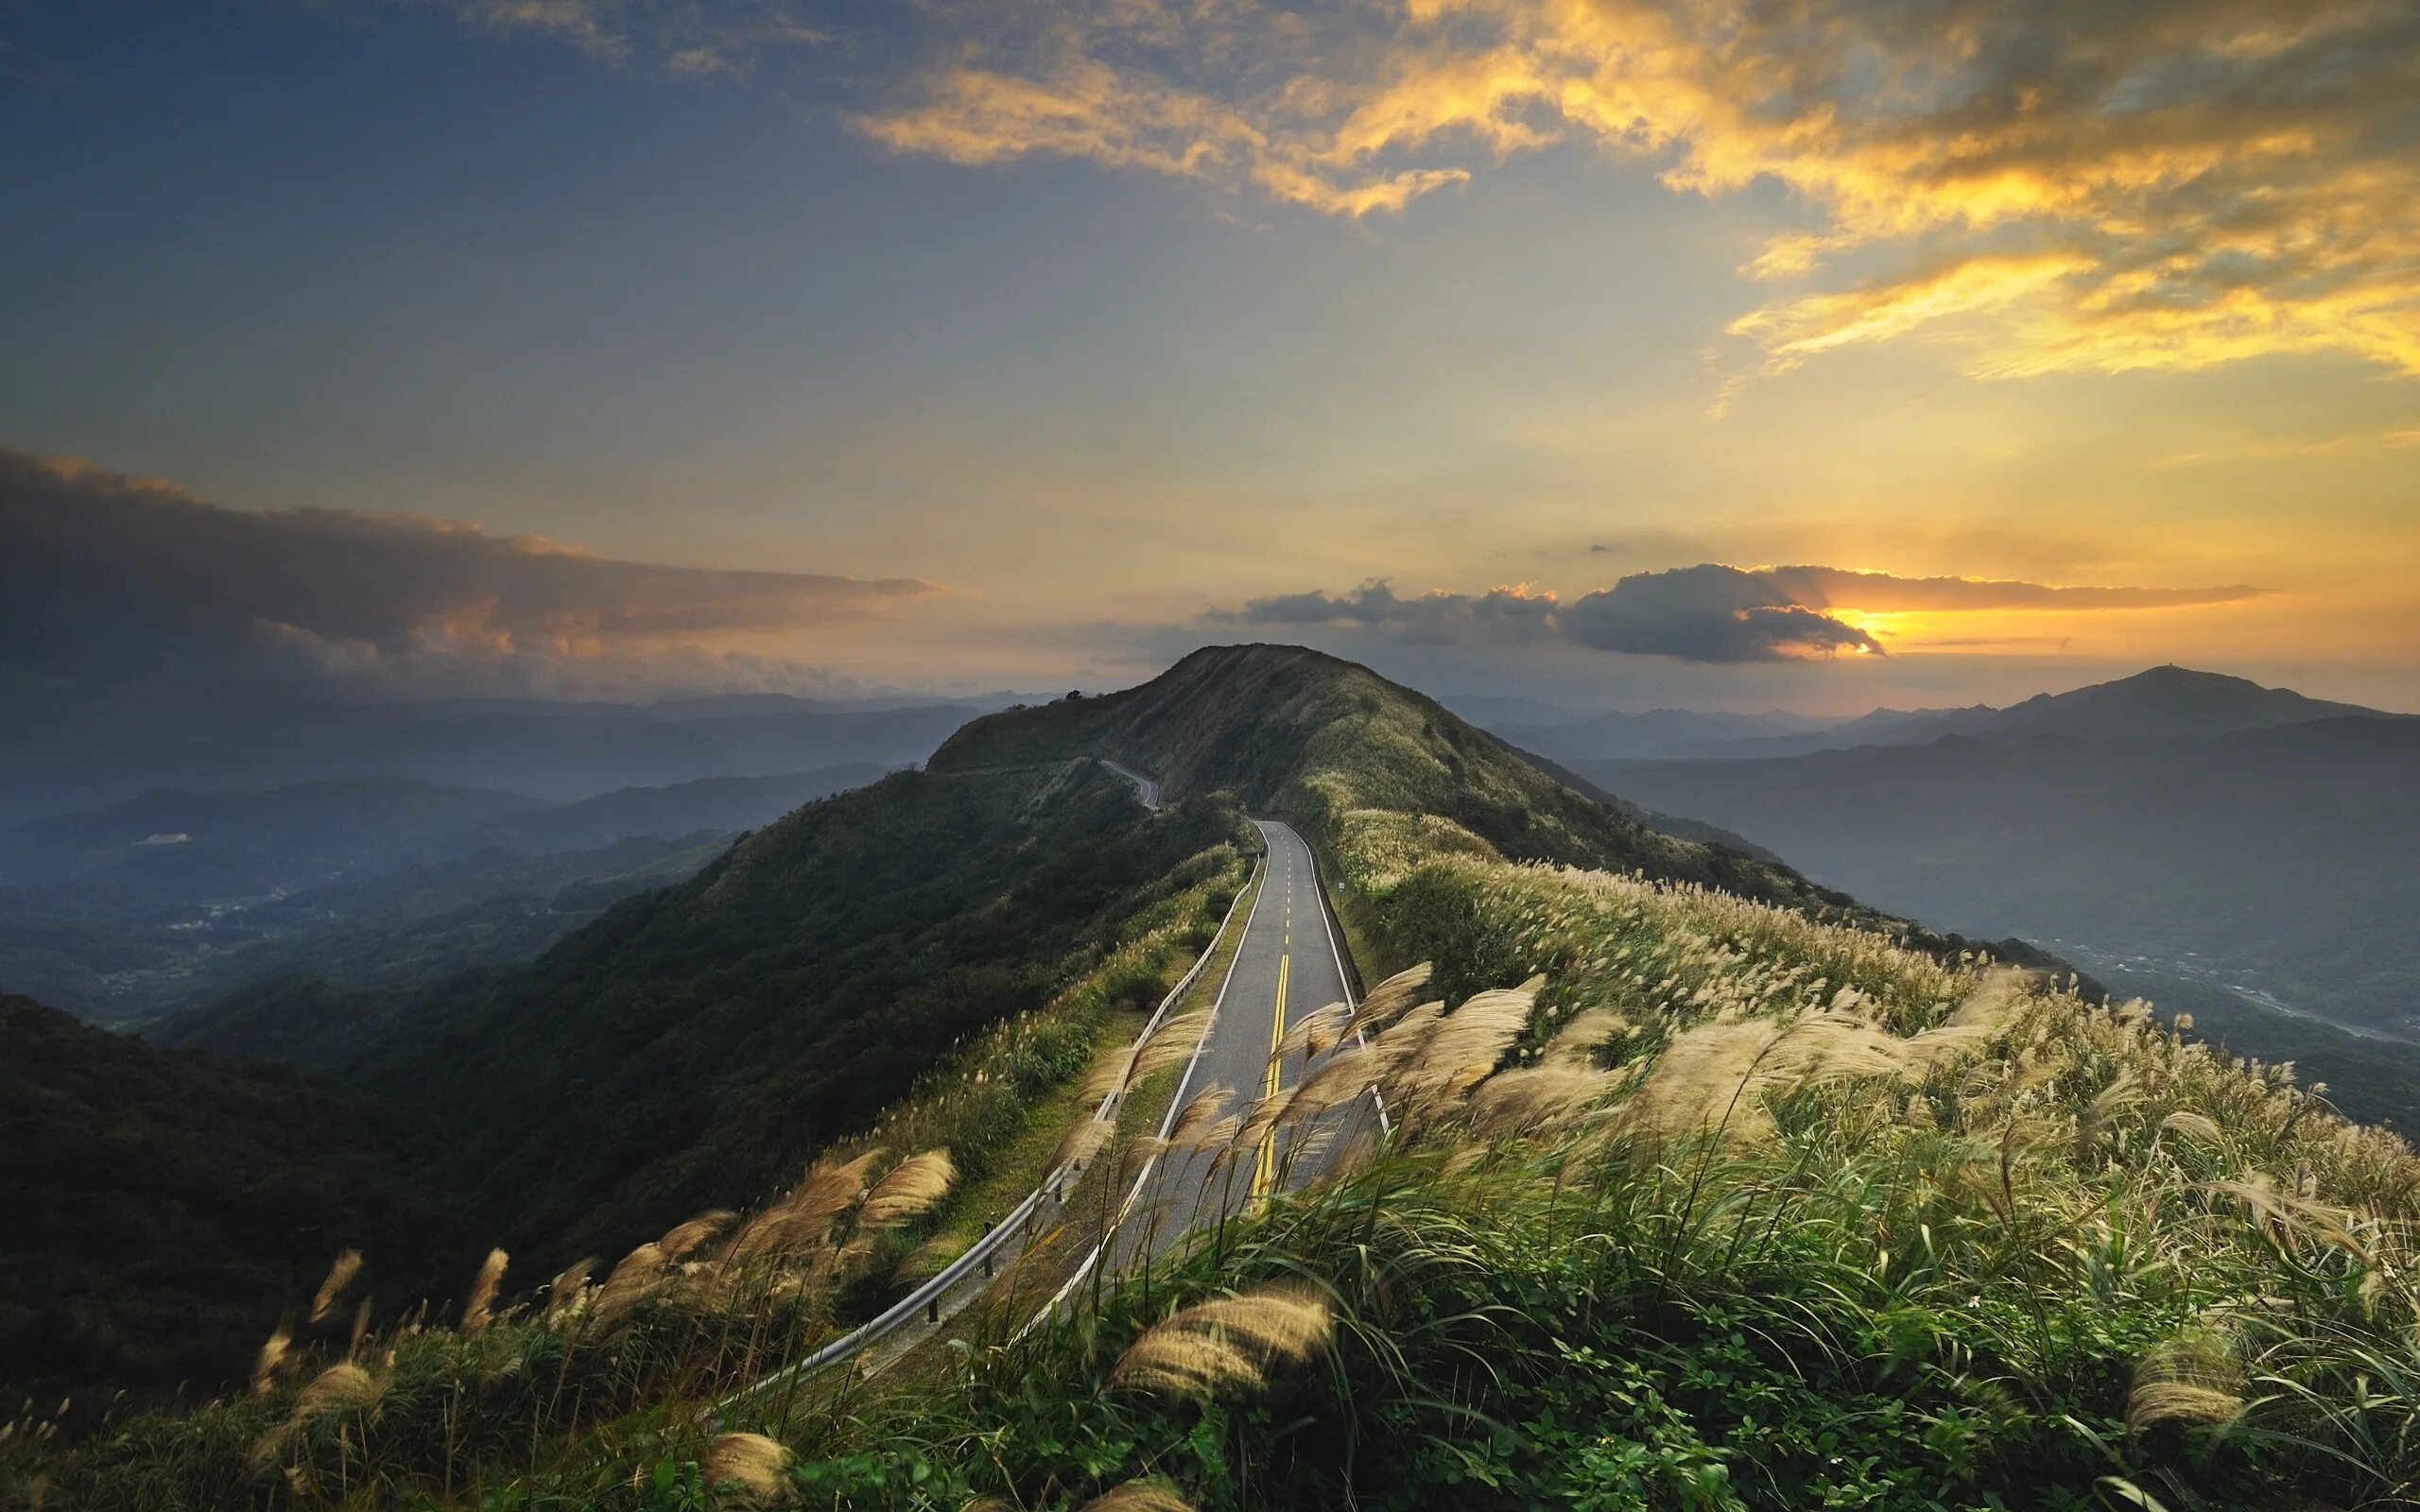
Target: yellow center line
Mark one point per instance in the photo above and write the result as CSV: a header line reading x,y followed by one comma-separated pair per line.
x,y
1264,1174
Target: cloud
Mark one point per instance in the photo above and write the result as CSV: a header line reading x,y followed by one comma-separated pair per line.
x,y
110,581
1708,614
1513,615
688,38
1883,592
2063,185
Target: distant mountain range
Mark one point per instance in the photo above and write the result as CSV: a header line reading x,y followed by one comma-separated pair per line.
x,y
169,846
2246,836
2167,700
126,911
1655,732
60,761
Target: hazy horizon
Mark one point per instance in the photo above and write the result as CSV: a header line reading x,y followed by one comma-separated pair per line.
x,y
607,347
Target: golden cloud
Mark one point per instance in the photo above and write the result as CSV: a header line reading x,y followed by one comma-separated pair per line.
x,y
2057,186
1711,613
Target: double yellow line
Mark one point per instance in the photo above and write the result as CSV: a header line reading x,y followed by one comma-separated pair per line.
x,y
1264,1173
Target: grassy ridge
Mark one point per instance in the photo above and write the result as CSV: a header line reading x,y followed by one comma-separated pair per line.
x,y
1726,1205
1296,733
162,1206
531,1387
1760,1211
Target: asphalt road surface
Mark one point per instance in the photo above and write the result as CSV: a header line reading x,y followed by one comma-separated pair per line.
x,y
1288,965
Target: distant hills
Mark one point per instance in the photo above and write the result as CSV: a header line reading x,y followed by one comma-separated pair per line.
x,y
2247,837
65,759
2163,701
688,1047
1655,732
126,911
219,845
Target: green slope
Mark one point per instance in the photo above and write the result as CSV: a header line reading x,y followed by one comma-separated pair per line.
x,y
162,1206
690,1047
1735,1205
1297,732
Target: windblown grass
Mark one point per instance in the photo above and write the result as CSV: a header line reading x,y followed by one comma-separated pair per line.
x,y
1693,1202
1726,1206
621,1354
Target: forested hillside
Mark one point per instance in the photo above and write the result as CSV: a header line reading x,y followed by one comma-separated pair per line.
x,y
1691,1198
691,1048
163,1208
682,1051
2280,857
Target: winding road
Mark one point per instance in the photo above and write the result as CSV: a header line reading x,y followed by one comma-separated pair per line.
x,y
1288,964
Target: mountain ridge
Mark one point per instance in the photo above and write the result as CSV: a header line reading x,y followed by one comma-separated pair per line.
x,y
1303,734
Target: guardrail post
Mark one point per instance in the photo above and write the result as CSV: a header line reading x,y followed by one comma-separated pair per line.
x,y
933,1312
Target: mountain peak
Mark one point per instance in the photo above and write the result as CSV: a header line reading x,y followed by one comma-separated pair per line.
x,y
1324,742
2167,700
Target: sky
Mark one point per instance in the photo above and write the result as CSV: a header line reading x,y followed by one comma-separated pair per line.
x,y
1628,352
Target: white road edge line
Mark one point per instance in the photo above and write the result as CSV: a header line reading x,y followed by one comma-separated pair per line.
x,y
1176,1104
884,1324
1344,980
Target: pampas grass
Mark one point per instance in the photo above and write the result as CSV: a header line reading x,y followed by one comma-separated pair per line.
x,y
2194,1378
1171,1046
341,1274
757,1465
1199,1113
1264,1115
568,1291
1313,1034
1226,1345
1112,1069
913,1185
1339,1080
1388,1000
682,1238
640,1272
476,1309
1534,1098
341,1387
1083,1142
1150,1494
805,1216
271,1360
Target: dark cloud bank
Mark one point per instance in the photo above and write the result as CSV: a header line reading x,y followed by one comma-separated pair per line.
x,y
108,581
1707,613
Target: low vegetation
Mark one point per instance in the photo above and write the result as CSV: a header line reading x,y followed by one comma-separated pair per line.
x,y
1694,1200
161,1206
917,958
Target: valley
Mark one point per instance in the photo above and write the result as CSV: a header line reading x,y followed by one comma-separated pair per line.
x,y
922,993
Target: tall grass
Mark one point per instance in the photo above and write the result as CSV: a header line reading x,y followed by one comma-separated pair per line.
x,y
601,1374
1729,1206
1690,1202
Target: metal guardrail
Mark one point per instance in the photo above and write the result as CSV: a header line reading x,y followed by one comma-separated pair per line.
x,y
1167,1121
1346,978
925,1299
